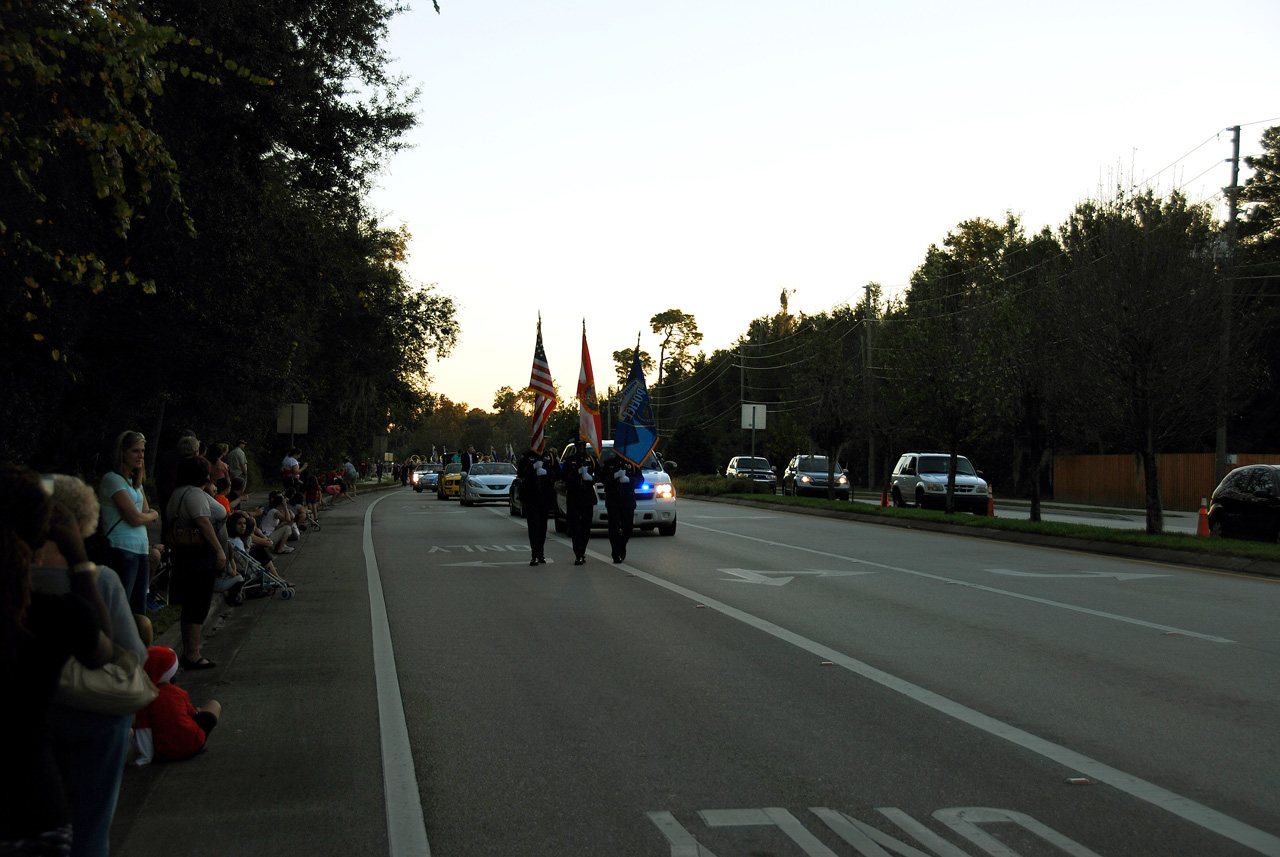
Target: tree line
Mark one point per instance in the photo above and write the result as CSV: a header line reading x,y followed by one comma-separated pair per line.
x,y
184,234
1138,326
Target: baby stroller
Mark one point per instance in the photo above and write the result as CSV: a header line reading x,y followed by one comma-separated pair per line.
x,y
258,580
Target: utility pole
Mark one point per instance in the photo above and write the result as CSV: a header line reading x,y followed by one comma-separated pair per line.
x,y
870,385
1228,290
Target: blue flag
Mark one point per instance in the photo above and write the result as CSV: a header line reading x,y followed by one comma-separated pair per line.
x,y
637,432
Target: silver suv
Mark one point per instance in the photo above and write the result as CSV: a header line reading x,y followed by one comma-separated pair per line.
x,y
752,467
921,478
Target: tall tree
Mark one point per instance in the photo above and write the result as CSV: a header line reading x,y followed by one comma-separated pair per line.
x,y
1146,323
680,334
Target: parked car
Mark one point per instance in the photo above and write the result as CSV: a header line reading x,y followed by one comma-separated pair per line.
x,y
424,477
450,483
806,476
921,478
1246,505
655,498
487,482
752,467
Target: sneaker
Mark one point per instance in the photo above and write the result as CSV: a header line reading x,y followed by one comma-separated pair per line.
x,y
285,549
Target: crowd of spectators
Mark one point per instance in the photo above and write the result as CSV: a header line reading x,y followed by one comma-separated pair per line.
x,y
76,584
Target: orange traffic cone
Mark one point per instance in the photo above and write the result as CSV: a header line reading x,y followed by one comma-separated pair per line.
x,y
1202,526
991,504
884,499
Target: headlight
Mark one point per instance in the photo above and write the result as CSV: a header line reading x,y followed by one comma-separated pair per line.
x,y
805,479
474,483
936,487
665,491
842,480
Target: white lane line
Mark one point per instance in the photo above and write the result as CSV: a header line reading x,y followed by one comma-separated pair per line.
x,y
1185,808
1168,629
406,827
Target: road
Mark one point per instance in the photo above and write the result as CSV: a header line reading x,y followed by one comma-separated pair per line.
x,y
762,683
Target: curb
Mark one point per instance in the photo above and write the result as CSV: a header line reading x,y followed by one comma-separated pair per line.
x,y
1240,565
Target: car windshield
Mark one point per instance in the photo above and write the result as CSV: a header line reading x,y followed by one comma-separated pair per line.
x,y
939,464
814,462
453,468
494,468
753,463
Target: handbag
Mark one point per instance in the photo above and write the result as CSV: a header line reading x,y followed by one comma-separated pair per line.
x,y
184,534
98,546
118,688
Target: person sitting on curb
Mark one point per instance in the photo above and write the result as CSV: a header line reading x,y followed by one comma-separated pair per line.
x,y
171,728
276,523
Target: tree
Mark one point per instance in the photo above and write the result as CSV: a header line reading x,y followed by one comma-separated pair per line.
x,y
679,332
833,380
1142,281
622,364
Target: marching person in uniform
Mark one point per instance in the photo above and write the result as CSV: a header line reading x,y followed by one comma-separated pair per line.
x,y
620,480
580,498
537,472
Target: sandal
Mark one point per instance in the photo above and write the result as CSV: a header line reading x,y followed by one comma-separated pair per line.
x,y
202,664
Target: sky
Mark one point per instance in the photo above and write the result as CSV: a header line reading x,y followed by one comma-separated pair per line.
x,y
601,161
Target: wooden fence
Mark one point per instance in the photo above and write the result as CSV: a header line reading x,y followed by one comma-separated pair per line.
x,y
1117,480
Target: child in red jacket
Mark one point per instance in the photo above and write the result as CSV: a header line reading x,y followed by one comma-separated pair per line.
x,y
170,728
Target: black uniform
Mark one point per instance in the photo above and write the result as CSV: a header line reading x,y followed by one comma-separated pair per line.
x,y
537,494
620,480
580,499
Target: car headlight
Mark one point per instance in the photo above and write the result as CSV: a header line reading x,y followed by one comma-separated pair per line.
x,y
842,480
665,491
805,479
936,487
474,484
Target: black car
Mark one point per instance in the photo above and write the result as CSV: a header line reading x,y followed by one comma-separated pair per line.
x,y
1247,504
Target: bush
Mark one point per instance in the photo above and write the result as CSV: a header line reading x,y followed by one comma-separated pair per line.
x,y
715,486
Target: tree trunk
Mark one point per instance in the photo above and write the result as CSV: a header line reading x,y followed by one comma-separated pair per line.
x,y
1151,477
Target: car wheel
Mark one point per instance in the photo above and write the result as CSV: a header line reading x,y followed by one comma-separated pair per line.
x,y
895,497
1217,530
919,498
667,529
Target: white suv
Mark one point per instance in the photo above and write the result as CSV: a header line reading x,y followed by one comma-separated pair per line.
x,y
921,478
655,499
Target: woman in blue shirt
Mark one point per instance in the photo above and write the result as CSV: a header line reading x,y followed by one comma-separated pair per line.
x,y
125,516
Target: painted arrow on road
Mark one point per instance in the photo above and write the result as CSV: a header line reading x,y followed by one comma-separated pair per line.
x,y
744,575
1080,574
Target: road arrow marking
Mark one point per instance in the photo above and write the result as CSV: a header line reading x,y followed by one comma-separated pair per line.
x,y
1118,575
745,575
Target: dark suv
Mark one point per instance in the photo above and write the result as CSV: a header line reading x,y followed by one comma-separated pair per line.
x,y
751,467
806,476
921,478
1247,504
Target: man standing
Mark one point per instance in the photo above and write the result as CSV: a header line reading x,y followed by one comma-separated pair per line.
x,y
238,463
537,474
620,480
349,476
580,499
468,458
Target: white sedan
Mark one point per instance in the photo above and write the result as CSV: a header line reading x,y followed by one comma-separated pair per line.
x,y
487,482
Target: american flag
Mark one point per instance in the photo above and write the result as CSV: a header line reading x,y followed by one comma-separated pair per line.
x,y
544,400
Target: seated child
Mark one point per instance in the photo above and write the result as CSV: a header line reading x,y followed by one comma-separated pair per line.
x,y
170,728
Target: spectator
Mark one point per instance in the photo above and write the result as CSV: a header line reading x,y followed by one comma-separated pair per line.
x,y
38,632
291,469
171,728
218,467
238,462
247,537
90,748
221,489
167,470
126,515
349,477
198,557
275,523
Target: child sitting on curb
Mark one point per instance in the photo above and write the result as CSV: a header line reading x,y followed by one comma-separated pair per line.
x,y
170,728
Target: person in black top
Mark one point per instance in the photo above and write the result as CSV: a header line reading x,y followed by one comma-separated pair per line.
x,y
620,479
577,471
537,472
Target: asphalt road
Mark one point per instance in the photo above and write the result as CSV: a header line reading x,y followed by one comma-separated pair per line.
x,y
761,683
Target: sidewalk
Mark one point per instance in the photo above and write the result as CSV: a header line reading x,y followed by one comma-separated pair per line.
x,y
293,767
